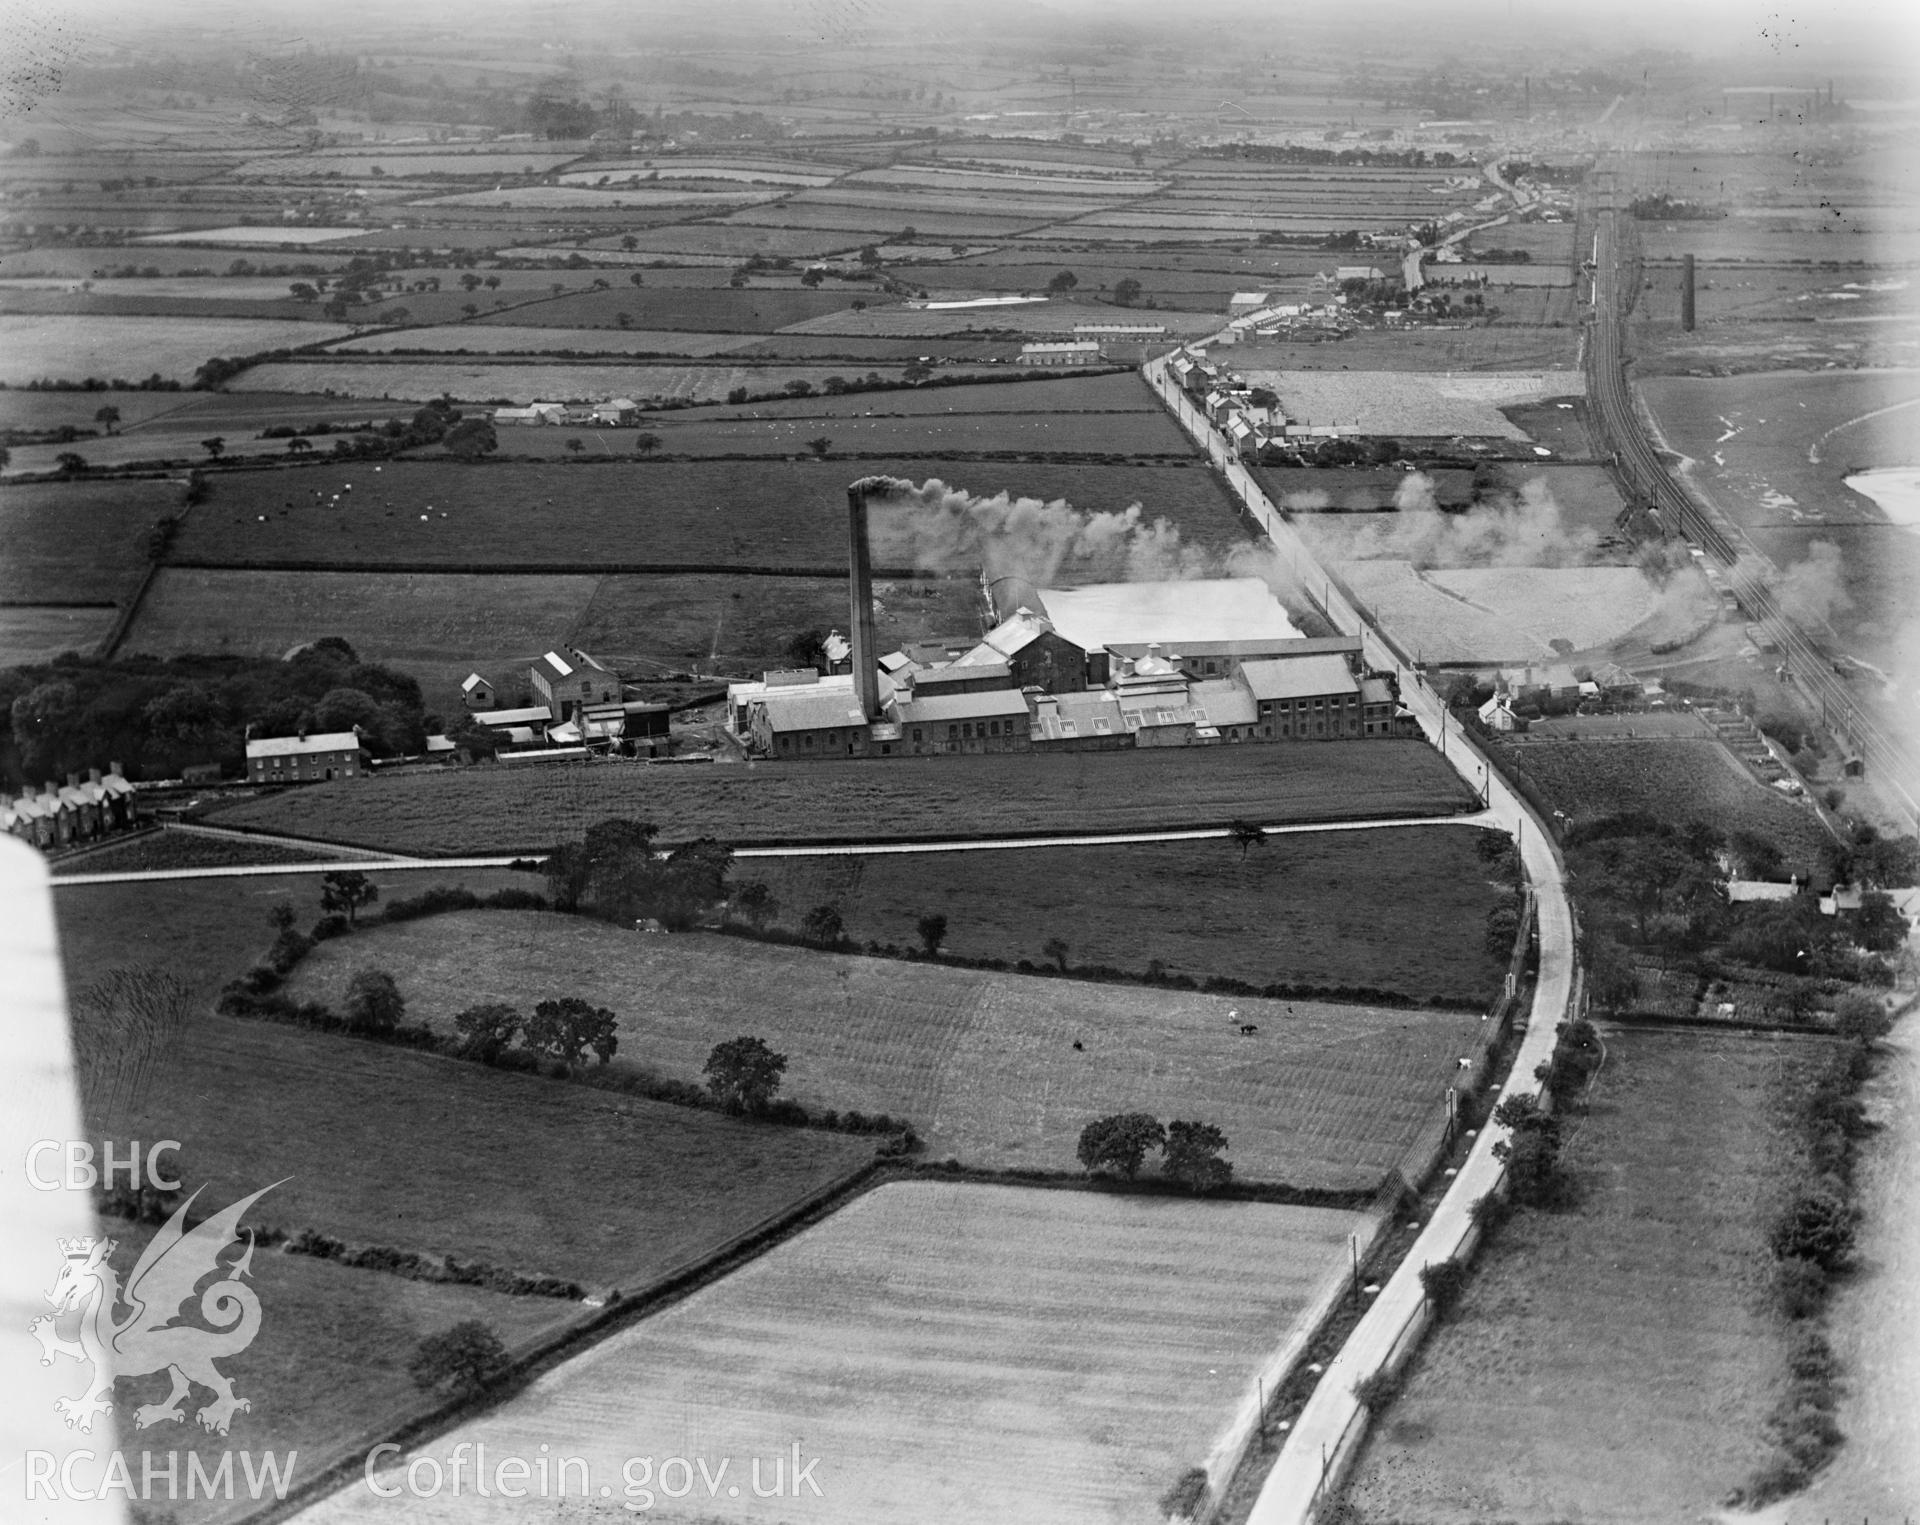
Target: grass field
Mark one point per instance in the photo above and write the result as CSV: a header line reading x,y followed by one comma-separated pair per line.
x,y
1496,614
132,348
30,633
1656,1343
522,381
182,849
1396,910
751,309
745,513
981,1063
1388,402
1675,780
77,542
438,626
1055,1372
488,810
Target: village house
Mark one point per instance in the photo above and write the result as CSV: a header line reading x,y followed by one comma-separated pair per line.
x,y
477,692
305,759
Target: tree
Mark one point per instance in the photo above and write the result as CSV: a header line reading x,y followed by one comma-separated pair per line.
x,y
624,319
346,890
1531,1152
469,309
565,1029
1861,1018
933,932
215,447
70,462
1245,834
1443,1282
744,1074
755,901
469,283
1126,291
611,855
646,444
820,444
109,415
374,1003
464,1359
637,279
823,927
1063,282
808,648
470,439
304,292
812,278
1193,1156
1818,1226
486,1031
281,916
1878,926
629,243
492,283
575,444
299,445
1056,949
1120,1142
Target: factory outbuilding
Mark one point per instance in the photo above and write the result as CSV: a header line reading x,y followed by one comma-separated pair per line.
x,y
569,683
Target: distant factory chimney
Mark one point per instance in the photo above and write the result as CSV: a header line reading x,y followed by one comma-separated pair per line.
x,y
866,679
1686,292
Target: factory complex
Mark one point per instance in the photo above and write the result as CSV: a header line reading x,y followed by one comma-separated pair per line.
x,y
1166,664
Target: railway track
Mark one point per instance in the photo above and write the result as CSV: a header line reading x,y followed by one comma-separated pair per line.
x,y
1809,665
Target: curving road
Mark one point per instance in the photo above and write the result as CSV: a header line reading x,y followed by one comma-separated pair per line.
x,y
1328,1432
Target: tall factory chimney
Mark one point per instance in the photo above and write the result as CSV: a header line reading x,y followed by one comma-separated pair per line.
x,y
866,679
1686,292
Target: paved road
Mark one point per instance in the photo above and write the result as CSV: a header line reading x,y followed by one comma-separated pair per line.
x,y
798,850
1328,1431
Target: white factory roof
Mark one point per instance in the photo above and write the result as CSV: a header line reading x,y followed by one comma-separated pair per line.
x,y
811,709
940,708
558,665
1171,613
301,746
1299,677
527,716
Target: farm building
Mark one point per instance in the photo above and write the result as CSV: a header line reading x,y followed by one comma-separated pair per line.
x,y
305,759
1243,302
477,692
1097,331
566,683
1061,352
616,412
534,414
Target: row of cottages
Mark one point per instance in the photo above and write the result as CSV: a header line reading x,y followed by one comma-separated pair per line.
x,y
1061,352
81,810
1228,403
614,413
1025,687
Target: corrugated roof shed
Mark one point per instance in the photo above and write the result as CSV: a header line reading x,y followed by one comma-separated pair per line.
x,y
938,709
1299,677
1224,701
811,710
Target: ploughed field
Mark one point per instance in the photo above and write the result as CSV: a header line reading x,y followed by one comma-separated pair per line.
x,y
1395,910
1060,1370
982,1064
492,810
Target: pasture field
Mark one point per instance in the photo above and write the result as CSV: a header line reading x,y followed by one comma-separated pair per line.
x,y
1042,319
1086,1371
397,163
1514,1410
572,198
436,626
596,511
523,338
70,347
1393,910
981,1063
496,811
77,542
91,262
750,309
49,410
877,225
740,626
732,240
183,849
1675,779
39,633
251,236
516,381
329,1368
1424,351
1109,434
1124,392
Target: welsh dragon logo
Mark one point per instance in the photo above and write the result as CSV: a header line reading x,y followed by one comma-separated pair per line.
x,y
151,1337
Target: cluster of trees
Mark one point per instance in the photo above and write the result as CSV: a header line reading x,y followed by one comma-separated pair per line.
x,y
562,1032
158,715
614,872
1662,207
1190,1151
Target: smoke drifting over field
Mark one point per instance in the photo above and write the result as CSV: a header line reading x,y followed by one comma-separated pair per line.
x,y
1813,590
936,528
1521,529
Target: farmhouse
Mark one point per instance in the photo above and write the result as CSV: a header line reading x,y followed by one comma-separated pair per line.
x,y
1061,352
305,759
477,692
